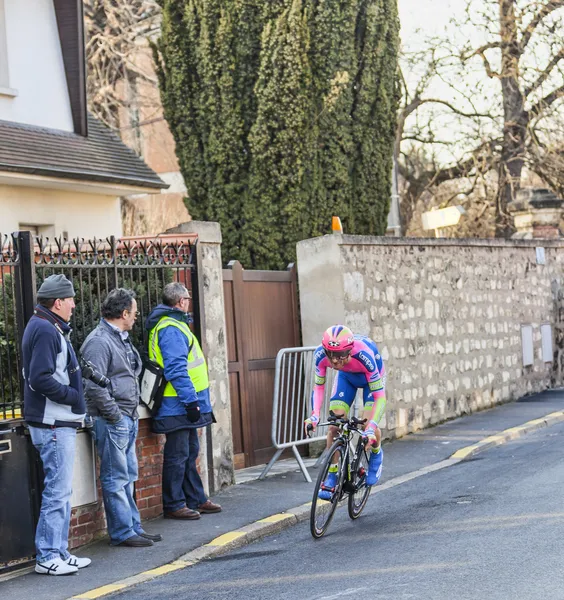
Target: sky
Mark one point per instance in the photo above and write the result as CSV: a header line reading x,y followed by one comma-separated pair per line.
x,y
420,20
424,19
428,15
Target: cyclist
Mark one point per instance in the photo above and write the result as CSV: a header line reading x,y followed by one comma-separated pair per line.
x,y
359,365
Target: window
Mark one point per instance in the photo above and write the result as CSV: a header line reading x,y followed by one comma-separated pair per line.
x,y
37,230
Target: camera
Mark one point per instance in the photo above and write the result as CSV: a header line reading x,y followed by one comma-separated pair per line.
x,y
89,372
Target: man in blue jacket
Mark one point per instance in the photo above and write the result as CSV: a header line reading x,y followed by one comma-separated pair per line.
x,y
186,404
54,408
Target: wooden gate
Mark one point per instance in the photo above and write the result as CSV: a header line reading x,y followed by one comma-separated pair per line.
x,y
261,312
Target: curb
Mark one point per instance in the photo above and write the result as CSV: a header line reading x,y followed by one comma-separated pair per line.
x,y
507,435
220,545
279,522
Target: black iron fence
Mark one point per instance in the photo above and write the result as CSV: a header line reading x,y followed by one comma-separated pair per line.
x,y
95,267
9,346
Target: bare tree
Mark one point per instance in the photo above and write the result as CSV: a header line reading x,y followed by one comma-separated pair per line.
x,y
499,109
123,93
115,32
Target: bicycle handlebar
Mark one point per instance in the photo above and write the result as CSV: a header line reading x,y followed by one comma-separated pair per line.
x,y
335,420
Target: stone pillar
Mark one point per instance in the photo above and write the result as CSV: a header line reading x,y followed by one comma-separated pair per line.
x,y
332,288
537,213
216,458
320,281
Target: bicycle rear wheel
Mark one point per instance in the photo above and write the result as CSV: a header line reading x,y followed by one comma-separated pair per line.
x,y
359,470
322,511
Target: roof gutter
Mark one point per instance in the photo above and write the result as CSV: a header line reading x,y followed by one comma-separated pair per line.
x,y
35,178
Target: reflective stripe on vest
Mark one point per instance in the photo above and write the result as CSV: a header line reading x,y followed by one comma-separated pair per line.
x,y
197,368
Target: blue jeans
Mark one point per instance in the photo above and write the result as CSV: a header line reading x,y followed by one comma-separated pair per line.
x,y
182,485
56,447
118,473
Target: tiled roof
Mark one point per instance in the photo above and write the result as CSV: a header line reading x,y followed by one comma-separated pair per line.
x,y
100,157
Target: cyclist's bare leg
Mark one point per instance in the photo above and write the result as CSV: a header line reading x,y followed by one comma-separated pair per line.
x,y
332,433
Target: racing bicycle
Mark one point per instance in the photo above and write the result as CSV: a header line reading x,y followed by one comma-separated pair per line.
x,y
352,462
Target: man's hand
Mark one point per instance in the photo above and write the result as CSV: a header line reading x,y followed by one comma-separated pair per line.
x,y
369,436
193,412
311,423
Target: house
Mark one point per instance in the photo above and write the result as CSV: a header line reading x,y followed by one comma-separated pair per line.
x,y
62,172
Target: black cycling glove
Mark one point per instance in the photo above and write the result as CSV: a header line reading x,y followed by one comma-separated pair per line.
x,y
193,412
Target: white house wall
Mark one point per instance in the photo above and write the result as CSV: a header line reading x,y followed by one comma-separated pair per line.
x,y
78,214
35,64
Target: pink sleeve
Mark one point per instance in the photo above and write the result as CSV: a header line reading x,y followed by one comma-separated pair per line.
x,y
319,385
377,389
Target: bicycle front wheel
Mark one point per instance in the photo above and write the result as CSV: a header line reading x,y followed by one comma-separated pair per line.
x,y
323,509
359,497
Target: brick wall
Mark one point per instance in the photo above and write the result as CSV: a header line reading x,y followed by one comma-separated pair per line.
x,y
89,522
150,455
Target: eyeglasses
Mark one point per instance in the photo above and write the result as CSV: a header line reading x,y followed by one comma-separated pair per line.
x,y
137,313
337,354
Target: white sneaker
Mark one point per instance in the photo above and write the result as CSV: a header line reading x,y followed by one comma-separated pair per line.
x,y
57,566
79,563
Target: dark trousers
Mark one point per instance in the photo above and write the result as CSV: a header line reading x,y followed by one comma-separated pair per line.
x,y
182,484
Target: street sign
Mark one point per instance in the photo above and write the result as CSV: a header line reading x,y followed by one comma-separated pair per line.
x,y
443,217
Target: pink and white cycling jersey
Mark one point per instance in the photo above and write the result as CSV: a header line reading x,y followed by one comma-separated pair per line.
x,y
365,360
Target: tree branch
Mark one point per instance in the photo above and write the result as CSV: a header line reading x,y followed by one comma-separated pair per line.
x,y
545,74
454,109
481,155
480,51
116,31
547,101
458,193
417,102
536,20
415,138
488,67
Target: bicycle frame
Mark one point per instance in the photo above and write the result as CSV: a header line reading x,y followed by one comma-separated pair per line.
x,y
347,429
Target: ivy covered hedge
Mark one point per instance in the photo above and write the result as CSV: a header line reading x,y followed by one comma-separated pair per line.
x,y
284,114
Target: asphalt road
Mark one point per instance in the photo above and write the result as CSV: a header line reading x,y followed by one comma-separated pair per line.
x,y
492,527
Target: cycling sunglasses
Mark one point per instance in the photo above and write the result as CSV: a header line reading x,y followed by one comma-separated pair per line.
x,y
337,354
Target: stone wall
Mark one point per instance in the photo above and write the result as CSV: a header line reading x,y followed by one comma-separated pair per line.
x,y
446,315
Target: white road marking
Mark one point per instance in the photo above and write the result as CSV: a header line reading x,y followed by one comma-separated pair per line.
x,y
342,593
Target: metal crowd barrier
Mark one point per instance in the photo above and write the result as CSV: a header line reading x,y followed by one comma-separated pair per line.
x,y
293,385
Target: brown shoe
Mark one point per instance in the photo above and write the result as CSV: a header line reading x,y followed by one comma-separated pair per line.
x,y
209,507
183,513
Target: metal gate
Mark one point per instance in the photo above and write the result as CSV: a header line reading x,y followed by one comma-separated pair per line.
x,y
261,312
19,468
21,497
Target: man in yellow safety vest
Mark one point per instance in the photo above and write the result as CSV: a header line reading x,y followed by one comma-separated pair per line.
x,y
186,405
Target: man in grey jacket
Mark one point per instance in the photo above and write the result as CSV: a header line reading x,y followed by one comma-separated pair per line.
x,y
114,409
